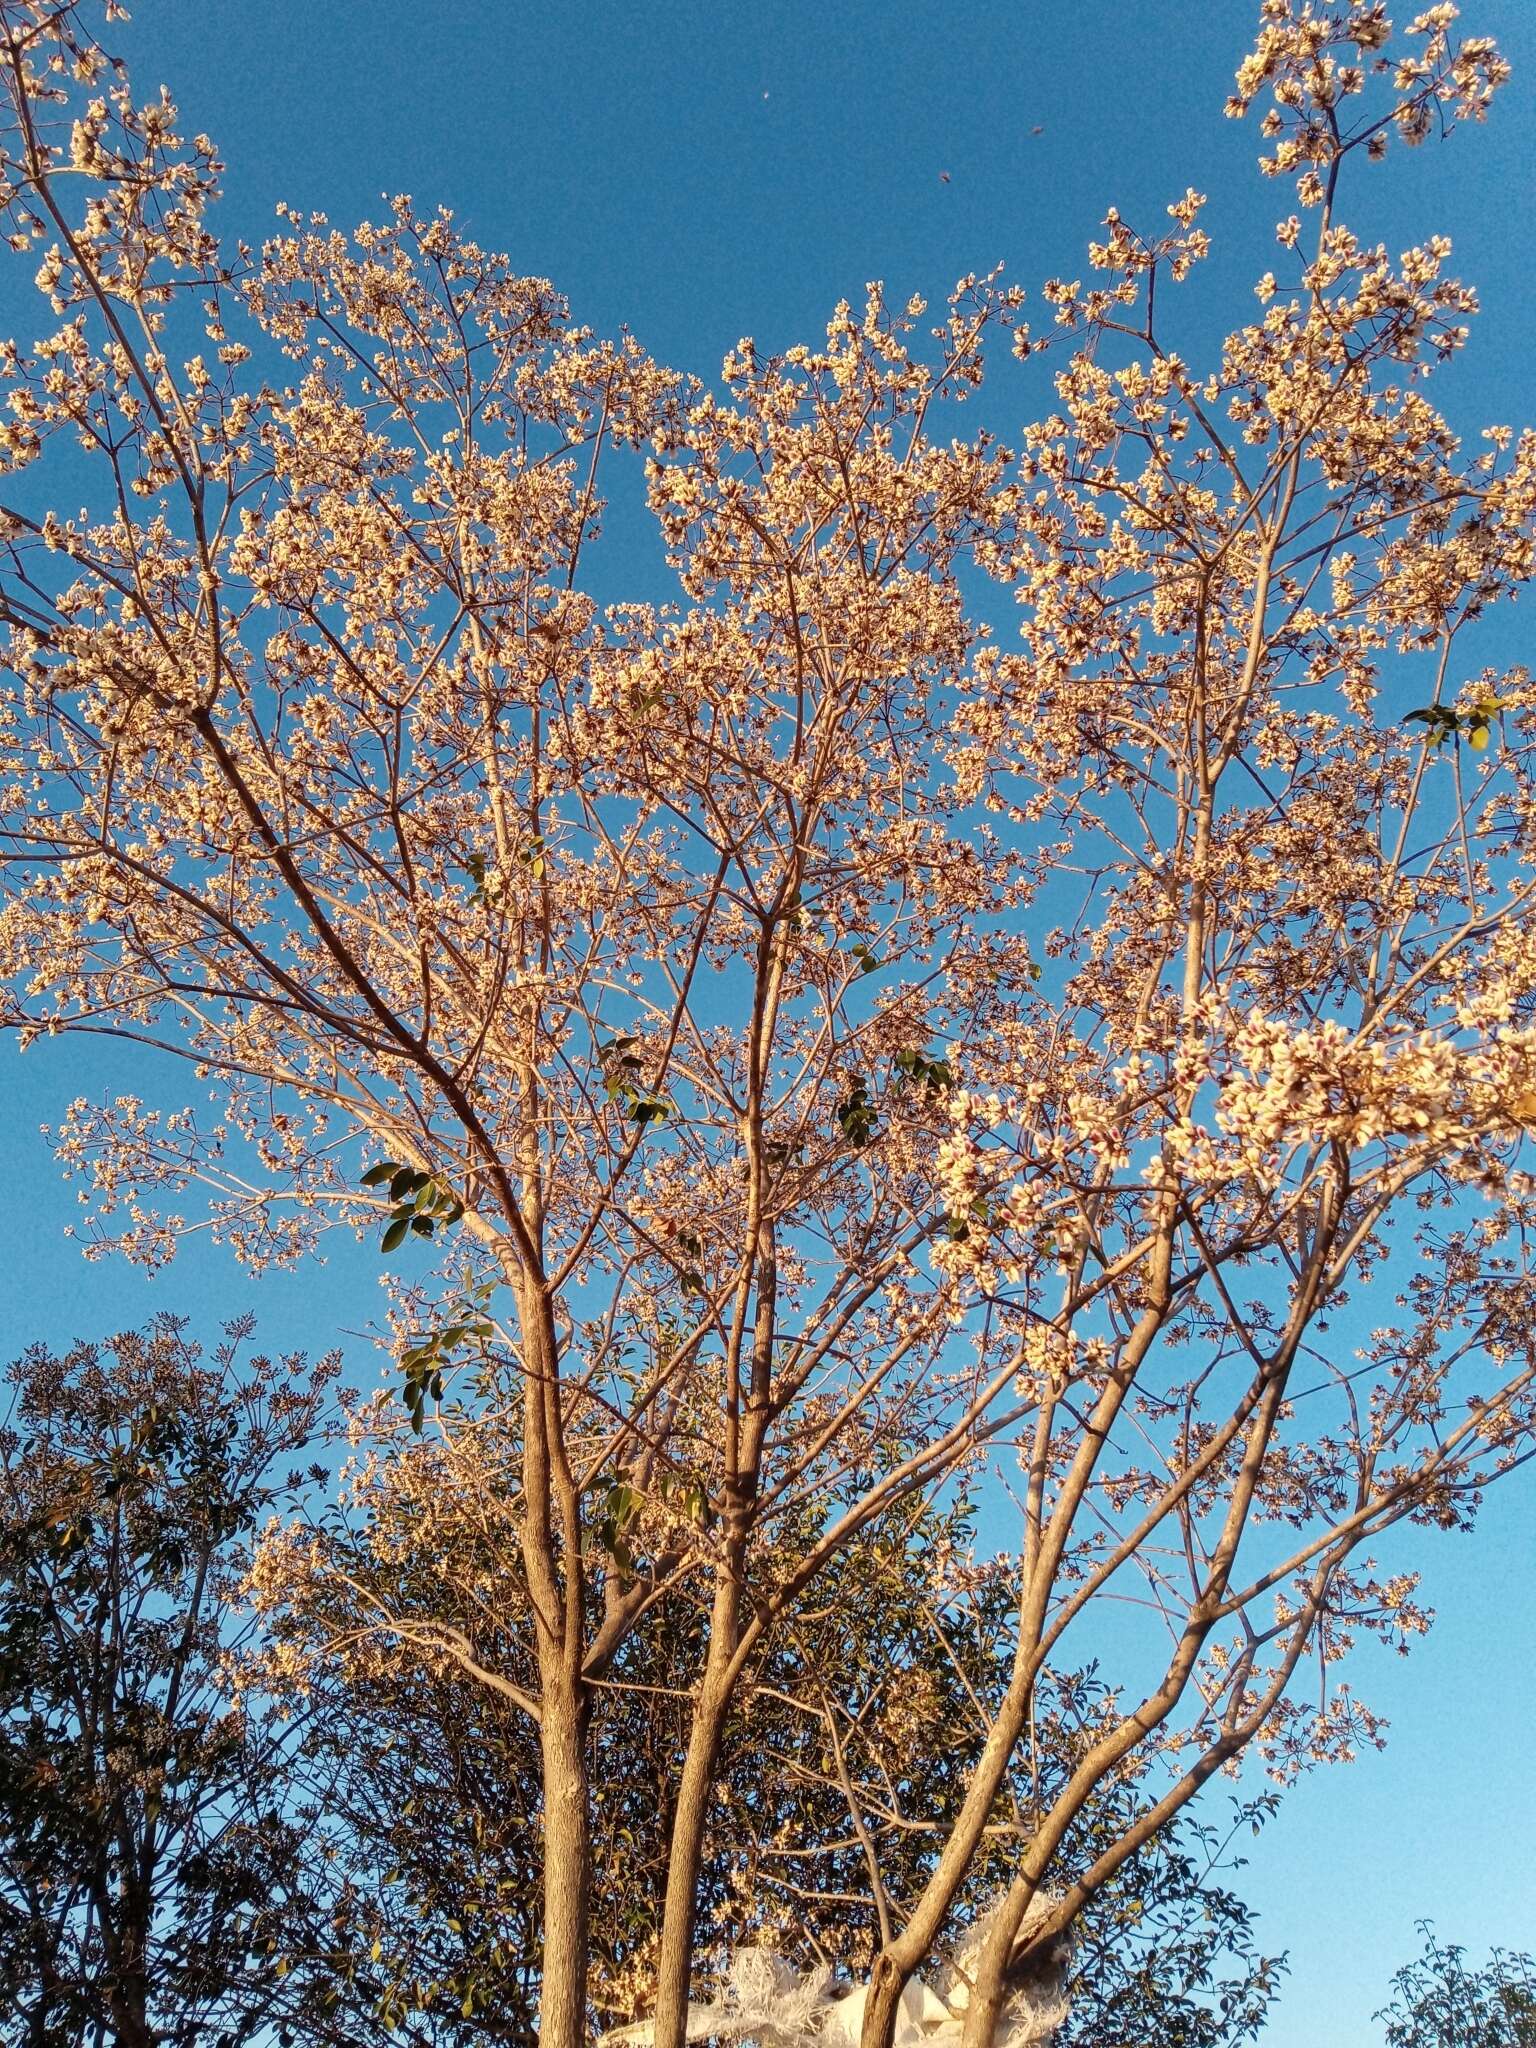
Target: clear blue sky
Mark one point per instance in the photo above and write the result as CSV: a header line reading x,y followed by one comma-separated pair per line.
x,y
701,172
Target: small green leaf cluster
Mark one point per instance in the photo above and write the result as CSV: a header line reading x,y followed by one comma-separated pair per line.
x,y
485,890
691,1280
1442,722
423,1362
474,866
421,1202
933,1077
686,1494
857,1115
622,1069
610,1532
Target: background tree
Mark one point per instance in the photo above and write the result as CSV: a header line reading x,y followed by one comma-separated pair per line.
x,y
147,1843
850,1745
177,1864
669,966
1439,2002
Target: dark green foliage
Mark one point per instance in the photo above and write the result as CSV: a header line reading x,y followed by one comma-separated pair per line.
x,y
421,1202
145,1841
1444,723
1167,1953
424,1362
857,1116
622,1069
179,1869
933,1077
1438,2002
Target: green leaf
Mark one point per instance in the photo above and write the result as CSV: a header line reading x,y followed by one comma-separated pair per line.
x,y
957,1228
1442,724
932,1076
377,1175
395,1234
857,1116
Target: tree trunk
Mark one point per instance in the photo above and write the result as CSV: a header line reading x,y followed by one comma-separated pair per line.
x,y
553,1567
128,2001
745,1437
887,1981
989,1992
674,1966
567,1871
897,1961
125,1920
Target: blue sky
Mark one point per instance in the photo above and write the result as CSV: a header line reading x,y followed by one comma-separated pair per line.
x,y
699,173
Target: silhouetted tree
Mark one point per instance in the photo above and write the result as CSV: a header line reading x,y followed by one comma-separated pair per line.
x,y
146,1843
1439,2002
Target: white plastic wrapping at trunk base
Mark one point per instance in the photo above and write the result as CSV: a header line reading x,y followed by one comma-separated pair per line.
x,y
768,2001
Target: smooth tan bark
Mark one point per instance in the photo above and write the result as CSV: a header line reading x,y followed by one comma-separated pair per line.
x,y
685,1861
567,1874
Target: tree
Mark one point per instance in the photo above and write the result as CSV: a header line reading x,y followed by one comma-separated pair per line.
x,y
1439,2003
178,1863
146,1841
709,978
849,1744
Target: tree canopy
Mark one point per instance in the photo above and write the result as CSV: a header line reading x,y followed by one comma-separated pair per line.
x,y
806,1039
148,1848
1439,2002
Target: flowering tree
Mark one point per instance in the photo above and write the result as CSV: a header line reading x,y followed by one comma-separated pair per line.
x,y
849,1746
823,1041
